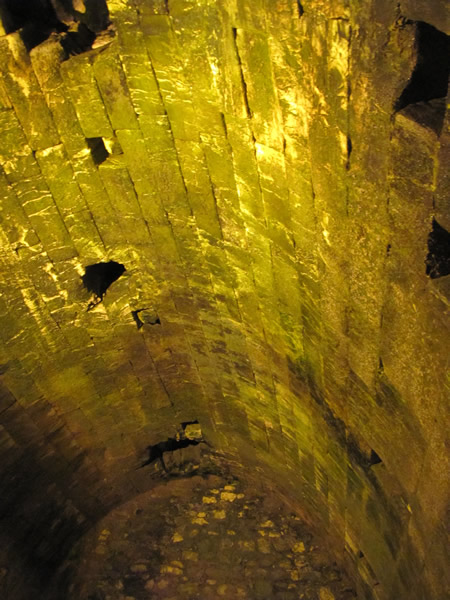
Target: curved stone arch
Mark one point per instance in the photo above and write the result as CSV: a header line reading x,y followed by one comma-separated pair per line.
x,y
274,213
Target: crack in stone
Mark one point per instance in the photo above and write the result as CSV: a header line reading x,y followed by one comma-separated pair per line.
x,y
224,124
95,223
8,407
213,192
349,139
349,152
241,70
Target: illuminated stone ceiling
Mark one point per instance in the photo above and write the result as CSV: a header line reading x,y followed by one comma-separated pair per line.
x,y
273,178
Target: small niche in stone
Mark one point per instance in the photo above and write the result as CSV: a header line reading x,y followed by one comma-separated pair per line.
x,y
98,150
438,258
374,459
189,435
428,84
192,430
145,316
98,277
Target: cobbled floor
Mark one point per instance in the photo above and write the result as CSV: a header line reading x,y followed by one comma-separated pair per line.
x,y
205,539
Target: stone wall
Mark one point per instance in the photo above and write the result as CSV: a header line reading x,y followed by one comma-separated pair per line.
x,y
271,190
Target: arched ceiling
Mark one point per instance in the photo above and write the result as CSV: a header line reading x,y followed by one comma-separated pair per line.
x,y
281,212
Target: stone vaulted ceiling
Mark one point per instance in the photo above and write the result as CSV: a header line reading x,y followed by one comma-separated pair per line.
x,y
273,178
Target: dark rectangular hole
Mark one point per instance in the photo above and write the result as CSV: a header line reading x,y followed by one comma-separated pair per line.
x,y
374,458
98,150
99,276
438,258
429,79
34,19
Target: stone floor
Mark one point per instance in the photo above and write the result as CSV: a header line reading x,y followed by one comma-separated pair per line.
x,y
204,538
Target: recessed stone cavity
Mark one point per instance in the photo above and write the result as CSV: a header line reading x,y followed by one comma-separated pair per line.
x,y
77,22
438,259
190,435
374,458
99,276
429,79
98,150
35,19
145,316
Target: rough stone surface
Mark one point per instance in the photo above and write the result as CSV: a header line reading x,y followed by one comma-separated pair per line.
x,y
129,553
249,164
